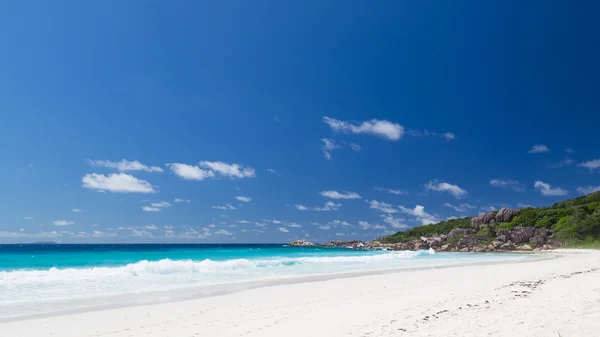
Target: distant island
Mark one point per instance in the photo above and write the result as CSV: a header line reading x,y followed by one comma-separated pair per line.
x,y
569,223
43,243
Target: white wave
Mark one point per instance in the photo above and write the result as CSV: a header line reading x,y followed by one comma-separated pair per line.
x,y
189,267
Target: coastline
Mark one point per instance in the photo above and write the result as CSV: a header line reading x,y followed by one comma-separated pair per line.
x,y
406,302
200,292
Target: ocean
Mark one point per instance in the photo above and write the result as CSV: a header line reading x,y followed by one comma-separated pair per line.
x,y
48,278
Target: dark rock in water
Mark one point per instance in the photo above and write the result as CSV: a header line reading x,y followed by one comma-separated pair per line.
x,y
456,232
488,217
507,214
301,243
520,235
353,243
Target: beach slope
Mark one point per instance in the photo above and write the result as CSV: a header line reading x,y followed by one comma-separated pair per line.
x,y
551,297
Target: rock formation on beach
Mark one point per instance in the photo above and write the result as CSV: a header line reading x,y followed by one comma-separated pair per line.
x,y
570,222
459,240
301,243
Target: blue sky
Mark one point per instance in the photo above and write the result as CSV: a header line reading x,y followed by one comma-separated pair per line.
x,y
274,120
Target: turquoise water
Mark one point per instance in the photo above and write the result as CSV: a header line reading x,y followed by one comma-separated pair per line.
x,y
36,276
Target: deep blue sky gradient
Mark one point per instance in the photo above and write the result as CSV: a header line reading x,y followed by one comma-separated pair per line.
x,y
249,82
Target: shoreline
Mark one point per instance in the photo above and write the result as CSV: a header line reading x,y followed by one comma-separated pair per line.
x,y
208,291
557,293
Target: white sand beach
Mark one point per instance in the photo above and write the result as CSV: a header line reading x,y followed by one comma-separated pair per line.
x,y
551,297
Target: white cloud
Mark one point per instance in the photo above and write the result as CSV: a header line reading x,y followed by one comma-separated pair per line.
x,y
395,222
328,146
324,227
28,218
301,207
30,166
381,128
355,147
329,206
125,165
549,191
340,234
462,208
591,165
190,172
168,227
99,234
523,205
226,207
539,148
244,221
420,214
382,207
151,209
294,225
244,199
391,191
449,136
258,224
160,204
116,182
208,169
182,200
562,163
222,232
140,233
63,222
507,183
76,210
569,150
455,190
588,189
283,229
273,171
229,170
336,223
20,234
339,195
151,227
365,226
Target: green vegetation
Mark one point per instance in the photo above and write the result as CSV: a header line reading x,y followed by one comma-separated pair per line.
x,y
575,222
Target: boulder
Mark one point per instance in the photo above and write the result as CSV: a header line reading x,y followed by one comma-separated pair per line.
x,y
497,244
508,246
521,234
503,235
539,237
507,214
469,241
456,232
301,243
465,249
476,221
488,217
444,248
491,248
525,248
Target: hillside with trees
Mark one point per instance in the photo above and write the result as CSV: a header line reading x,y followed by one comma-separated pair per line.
x,y
574,222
